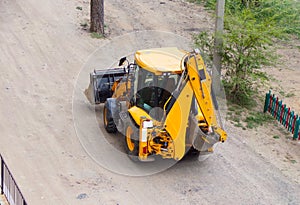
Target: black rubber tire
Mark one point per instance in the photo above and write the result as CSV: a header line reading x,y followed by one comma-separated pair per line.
x,y
193,152
108,121
132,150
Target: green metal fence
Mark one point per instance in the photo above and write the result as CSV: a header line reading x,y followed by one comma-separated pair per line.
x,y
288,118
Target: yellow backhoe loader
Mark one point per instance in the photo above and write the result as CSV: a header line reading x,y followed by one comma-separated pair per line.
x,y
162,103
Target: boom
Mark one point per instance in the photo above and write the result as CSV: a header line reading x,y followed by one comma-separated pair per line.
x,y
195,84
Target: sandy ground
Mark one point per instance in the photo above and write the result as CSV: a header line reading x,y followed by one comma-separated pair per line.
x,y
43,48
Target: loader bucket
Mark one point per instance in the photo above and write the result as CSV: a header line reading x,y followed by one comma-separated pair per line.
x,y
101,82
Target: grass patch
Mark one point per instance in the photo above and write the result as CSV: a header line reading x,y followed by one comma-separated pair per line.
x,y
276,137
290,95
84,24
231,109
238,124
235,119
255,119
79,8
283,130
97,35
281,92
249,117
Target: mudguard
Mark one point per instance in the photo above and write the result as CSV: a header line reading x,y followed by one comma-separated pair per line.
x,y
112,109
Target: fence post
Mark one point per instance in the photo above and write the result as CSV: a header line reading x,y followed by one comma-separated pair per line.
x,y
294,123
296,133
279,110
276,108
290,126
282,113
267,101
2,174
286,109
288,118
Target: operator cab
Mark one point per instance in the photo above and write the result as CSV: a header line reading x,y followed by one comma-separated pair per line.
x,y
157,73
153,91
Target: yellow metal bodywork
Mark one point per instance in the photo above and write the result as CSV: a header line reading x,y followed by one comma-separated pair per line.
x,y
119,89
160,60
137,113
177,120
129,132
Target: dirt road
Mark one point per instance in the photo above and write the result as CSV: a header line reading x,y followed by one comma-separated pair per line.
x,y
43,49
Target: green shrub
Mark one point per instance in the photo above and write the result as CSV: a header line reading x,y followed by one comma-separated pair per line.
x,y
250,29
281,14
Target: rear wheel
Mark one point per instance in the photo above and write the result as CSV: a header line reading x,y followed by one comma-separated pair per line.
x,y
131,142
193,152
108,121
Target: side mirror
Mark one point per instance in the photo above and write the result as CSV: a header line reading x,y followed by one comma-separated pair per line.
x,y
122,60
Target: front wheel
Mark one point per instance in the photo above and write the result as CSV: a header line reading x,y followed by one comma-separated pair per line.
x,y
108,121
132,142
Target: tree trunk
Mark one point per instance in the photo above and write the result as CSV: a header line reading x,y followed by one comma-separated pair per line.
x,y
97,16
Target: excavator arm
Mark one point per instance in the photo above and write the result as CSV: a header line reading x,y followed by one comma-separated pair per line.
x,y
196,86
201,84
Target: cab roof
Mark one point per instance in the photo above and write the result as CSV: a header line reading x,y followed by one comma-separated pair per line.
x,y
160,60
